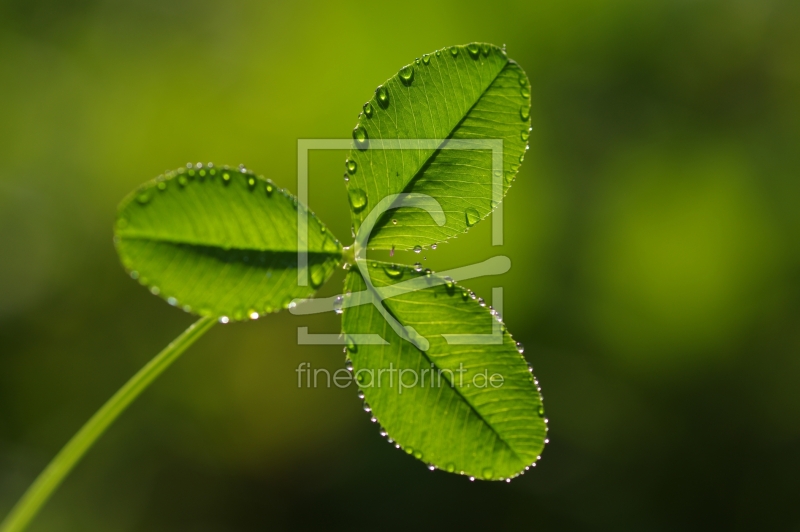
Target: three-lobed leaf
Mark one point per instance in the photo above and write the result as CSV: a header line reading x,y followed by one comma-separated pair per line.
x,y
220,242
223,242
461,93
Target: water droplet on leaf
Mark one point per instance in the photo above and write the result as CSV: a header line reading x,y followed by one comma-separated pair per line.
x,y
144,197
393,271
358,199
383,96
472,216
407,74
360,136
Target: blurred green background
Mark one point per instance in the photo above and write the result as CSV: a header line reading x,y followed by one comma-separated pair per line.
x,y
652,231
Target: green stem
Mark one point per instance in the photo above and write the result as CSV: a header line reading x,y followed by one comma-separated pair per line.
x,y
49,479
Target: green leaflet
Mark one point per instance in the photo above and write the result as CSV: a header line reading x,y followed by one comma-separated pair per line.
x,y
220,242
471,92
452,421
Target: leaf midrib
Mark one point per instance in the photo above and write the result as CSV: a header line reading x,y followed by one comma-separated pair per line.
x,y
129,236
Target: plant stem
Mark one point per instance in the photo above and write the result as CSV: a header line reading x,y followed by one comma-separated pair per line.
x,y
55,472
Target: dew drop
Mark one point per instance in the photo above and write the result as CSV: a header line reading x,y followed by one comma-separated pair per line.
x,y
485,49
394,222
438,53
172,301
474,50
358,199
417,249
162,185
251,182
360,394
253,315
418,455
530,367
454,51
368,109
223,319
525,112
337,304
520,348
144,197
360,136
433,246
472,479
472,295
431,467
226,177
383,96
428,272
481,302
450,468
407,74
541,411
521,158
426,59
524,135
449,282
417,267
367,408
348,365
351,166
393,271
472,216
488,473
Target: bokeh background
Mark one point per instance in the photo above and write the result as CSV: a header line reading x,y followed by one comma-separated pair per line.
x,y
653,232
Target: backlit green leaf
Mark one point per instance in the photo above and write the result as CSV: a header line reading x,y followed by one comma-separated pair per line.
x,y
220,242
452,410
462,93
